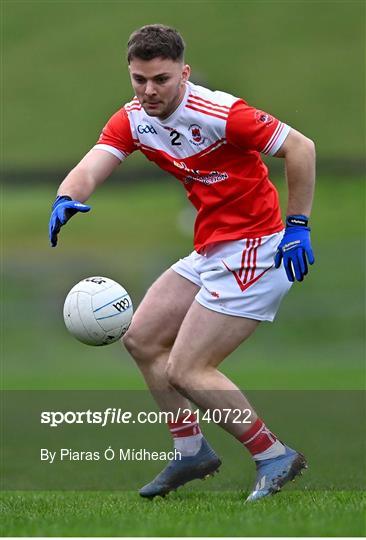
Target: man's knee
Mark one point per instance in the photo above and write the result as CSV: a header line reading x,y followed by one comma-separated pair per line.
x,y
136,344
178,376
172,375
141,346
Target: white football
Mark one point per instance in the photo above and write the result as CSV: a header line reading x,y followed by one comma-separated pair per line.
x,y
98,311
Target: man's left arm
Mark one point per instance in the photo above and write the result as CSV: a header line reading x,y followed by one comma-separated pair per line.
x,y
295,248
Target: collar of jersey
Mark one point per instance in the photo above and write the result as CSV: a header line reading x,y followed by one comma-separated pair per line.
x,y
177,111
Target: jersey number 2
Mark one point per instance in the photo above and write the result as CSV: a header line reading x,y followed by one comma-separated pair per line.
x,y
175,136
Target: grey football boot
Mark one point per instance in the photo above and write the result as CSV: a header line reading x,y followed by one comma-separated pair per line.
x,y
274,473
180,471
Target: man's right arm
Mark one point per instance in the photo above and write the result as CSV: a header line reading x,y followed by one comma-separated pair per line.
x,y
77,187
92,171
114,145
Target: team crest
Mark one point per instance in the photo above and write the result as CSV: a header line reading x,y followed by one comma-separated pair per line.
x,y
196,134
263,118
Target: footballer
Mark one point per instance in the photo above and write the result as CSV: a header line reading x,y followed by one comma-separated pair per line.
x,y
244,260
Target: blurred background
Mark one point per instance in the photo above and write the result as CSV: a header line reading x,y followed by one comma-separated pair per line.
x,y
64,74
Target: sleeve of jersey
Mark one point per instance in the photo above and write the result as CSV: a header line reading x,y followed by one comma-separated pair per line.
x,y
252,129
116,137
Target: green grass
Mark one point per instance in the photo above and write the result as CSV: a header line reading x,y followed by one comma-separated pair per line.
x,y
132,235
65,74
182,514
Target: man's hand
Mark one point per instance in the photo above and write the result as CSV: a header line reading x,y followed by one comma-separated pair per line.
x,y
62,210
295,248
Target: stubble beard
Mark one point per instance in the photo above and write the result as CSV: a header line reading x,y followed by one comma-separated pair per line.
x,y
173,104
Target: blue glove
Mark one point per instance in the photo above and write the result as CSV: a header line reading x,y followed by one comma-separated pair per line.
x,y
62,210
295,248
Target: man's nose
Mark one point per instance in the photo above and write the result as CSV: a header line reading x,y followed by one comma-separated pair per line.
x,y
150,88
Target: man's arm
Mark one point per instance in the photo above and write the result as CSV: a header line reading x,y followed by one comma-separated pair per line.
x,y
77,187
299,154
92,171
295,247
252,129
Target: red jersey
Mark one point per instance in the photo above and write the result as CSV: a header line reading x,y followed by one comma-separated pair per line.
x,y
211,144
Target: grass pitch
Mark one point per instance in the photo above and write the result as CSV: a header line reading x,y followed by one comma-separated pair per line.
x,y
89,82
322,347
182,514
132,235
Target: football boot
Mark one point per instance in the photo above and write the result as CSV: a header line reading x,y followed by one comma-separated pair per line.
x,y
274,473
180,471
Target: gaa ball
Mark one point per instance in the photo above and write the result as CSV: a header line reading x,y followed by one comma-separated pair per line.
x,y
98,311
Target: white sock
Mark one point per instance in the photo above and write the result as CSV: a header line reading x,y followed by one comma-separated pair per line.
x,y
277,449
188,446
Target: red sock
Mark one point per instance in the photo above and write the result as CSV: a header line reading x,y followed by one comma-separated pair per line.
x,y
186,426
258,438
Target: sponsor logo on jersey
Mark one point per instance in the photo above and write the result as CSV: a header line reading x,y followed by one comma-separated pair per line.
x,y
181,165
146,128
195,175
210,178
263,118
196,135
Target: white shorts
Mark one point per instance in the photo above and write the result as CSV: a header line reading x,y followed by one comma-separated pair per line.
x,y
238,277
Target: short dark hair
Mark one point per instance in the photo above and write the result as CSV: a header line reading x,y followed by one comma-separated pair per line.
x,y
153,41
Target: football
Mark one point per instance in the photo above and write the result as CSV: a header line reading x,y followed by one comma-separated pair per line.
x,y
98,311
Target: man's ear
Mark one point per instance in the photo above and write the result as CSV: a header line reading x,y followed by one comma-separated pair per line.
x,y
186,71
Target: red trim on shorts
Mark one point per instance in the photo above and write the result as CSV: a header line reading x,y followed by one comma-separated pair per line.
x,y
255,258
241,269
244,286
252,247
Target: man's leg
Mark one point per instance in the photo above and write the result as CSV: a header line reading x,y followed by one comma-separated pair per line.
x,y
192,369
152,333
192,366
149,340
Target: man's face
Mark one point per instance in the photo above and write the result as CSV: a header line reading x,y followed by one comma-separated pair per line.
x,y
159,84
